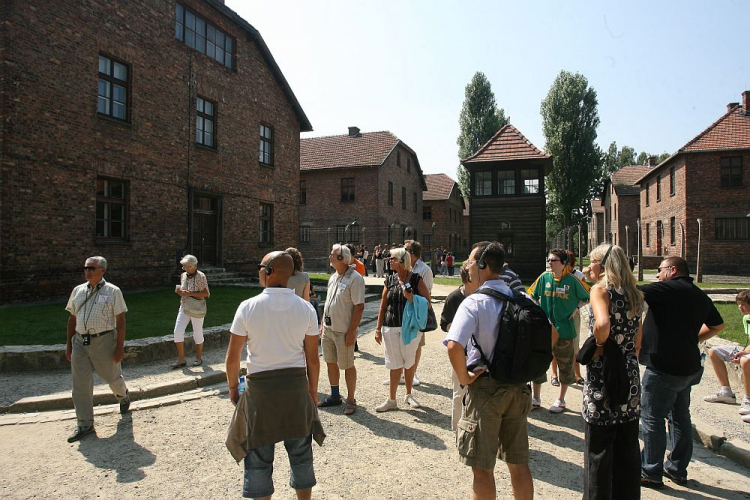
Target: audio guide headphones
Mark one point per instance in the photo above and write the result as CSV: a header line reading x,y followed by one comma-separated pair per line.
x,y
269,268
606,255
481,264
340,256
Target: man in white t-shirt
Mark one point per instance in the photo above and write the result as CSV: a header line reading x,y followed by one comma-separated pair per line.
x,y
281,331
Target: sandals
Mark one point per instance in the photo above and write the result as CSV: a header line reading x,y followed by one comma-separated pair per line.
x,y
350,407
329,401
197,362
177,366
555,381
580,381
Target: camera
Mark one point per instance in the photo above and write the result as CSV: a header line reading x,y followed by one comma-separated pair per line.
x,y
406,287
327,320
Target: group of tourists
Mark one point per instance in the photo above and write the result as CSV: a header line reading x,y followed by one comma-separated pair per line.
x,y
280,331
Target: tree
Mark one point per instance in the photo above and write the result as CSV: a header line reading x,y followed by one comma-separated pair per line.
x,y
642,158
570,118
627,156
480,119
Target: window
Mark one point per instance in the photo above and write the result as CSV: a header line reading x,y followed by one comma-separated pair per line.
x,y
205,123
403,198
426,212
340,232
731,171
114,88
390,193
658,188
347,236
507,242
483,184
648,202
648,235
347,189
506,182
672,231
111,208
614,212
266,145
203,36
671,181
408,165
304,234
414,200
398,158
530,179
302,192
427,240
265,233
737,228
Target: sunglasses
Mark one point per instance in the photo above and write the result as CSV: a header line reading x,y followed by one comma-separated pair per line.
x,y
553,260
665,267
89,268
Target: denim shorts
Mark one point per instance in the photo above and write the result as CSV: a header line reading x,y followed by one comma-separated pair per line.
x,y
259,468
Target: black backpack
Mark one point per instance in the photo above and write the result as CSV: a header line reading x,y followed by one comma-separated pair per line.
x,y
523,350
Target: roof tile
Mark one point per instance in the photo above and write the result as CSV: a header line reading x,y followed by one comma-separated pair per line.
x,y
439,187
507,144
625,180
364,150
731,131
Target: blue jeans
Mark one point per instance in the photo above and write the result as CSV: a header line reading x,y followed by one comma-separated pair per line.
x,y
666,397
258,481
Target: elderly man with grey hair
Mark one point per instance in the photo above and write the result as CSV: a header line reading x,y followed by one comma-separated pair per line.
x,y
95,342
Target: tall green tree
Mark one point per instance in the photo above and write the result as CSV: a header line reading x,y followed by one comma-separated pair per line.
x,y
570,118
479,120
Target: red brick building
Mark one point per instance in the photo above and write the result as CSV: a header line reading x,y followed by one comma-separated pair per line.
x,y
706,180
140,130
596,224
443,206
621,207
507,201
362,188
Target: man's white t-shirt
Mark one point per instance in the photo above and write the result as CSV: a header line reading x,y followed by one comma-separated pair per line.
x,y
275,324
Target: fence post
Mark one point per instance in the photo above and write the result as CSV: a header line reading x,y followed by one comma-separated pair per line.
x,y
698,274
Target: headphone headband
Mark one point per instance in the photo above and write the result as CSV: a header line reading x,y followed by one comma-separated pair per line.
x,y
606,255
481,263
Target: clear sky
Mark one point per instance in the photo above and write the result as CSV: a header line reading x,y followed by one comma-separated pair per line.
x,y
663,70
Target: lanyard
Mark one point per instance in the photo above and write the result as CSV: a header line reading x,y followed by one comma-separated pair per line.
x,y
87,316
335,292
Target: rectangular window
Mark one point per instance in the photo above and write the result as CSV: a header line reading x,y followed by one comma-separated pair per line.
x,y
340,232
506,182
390,193
347,189
266,145
731,171
658,188
302,192
414,200
648,201
403,198
648,235
427,240
737,228
530,179
398,158
353,234
114,88
671,181
203,36
426,212
304,234
111,208
408,165
347,236
614,212
672,231
265,233
205,123
482,183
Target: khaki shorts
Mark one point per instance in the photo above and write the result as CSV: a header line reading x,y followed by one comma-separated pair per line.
x,y
563,352
335,349
494,424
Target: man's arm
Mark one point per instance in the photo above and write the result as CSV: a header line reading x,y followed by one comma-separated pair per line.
x,y
232,366
709,331
313,366
70,330
351,333
120,346
458,361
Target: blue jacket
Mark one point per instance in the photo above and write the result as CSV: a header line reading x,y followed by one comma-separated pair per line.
x,y
415,318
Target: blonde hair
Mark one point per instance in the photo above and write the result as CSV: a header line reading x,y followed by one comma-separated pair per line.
x,y
618,275
402,256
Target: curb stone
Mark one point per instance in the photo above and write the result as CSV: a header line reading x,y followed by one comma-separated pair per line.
x,y
738,453
711,437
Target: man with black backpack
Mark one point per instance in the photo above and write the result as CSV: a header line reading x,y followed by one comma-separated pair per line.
x,y
494,417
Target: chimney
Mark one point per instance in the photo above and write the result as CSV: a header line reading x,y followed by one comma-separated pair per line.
x,y
353,131
651,161
731,106
746,101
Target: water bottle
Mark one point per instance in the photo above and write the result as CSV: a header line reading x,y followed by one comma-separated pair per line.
x,y
703,358
242,385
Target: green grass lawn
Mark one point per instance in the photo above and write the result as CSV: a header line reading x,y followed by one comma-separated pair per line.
x,y
150,314
732,323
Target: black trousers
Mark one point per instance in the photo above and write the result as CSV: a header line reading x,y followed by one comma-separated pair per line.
x,y
612,462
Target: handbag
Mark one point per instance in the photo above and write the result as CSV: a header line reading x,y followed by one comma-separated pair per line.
x,y
195,308
431,321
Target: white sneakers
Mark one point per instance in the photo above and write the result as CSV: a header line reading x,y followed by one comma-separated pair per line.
x,y
536,403
415,383
409,400
390,404
746,418
558,407
745,407
721,397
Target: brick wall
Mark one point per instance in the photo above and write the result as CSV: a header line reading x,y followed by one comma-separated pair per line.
x,y
451,229
55,145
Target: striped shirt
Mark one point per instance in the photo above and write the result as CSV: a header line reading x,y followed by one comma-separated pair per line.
x,y
195,283
510,278
96,309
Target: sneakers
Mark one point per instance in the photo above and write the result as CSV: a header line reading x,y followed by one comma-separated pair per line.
x,y
721,397
390,404
79,433
558,407
745,408
409,400
415,383
746,418
536,403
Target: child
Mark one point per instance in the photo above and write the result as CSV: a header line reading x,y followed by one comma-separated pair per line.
x,y
734,354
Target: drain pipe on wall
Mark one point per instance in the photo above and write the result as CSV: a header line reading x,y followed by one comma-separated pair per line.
x,y
698,274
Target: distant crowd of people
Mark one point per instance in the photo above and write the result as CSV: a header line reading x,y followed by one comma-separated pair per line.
x,y
280,331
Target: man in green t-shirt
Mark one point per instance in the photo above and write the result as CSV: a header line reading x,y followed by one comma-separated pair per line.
x,y
558,294
719,355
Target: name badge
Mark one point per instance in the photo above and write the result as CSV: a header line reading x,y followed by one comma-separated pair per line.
x,y
342,287
103,299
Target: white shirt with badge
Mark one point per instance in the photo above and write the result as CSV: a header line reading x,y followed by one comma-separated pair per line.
x,y
344,292
96,309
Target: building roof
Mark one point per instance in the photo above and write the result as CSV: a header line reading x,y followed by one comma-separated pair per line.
x,y
368,149
254,35
625,180
507,144
596,206
731,131
439,187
